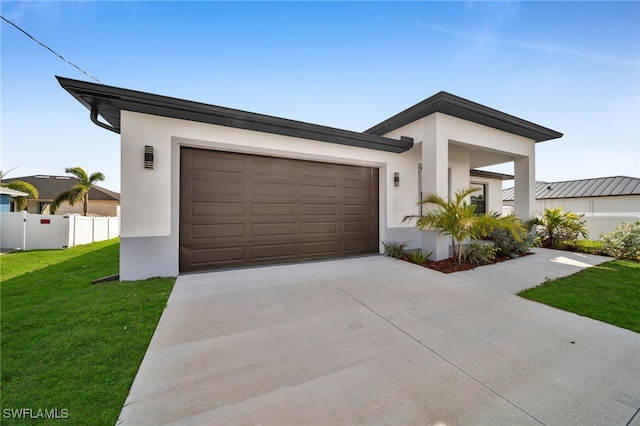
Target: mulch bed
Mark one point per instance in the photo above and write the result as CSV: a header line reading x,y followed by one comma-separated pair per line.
x,y
450,265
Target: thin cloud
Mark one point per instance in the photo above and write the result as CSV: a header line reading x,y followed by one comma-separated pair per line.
x,y
545,48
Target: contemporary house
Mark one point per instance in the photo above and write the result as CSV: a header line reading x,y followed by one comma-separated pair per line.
x,y
206,187
605,202
102,201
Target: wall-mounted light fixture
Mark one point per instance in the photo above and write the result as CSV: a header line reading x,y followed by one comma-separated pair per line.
x,y
396,179
148,157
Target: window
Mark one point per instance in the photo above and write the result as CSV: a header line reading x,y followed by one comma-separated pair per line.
x,y
479,198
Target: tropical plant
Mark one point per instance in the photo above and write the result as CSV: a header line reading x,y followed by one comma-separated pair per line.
x,y
479,254
394,248
79,192
507,245
417,257
624,241
557,226
19,185
458,219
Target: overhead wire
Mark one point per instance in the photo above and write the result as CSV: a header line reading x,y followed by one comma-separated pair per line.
x,y
50,49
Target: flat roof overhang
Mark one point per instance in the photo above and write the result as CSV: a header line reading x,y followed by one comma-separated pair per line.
x,y
455,106
108,101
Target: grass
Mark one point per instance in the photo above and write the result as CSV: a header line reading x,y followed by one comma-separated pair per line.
x,y
70,345
609,292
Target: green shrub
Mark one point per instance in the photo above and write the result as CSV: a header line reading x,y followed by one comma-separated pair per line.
x,y
507,245
557,227
624,241
417,257
394,249
479,254
590,246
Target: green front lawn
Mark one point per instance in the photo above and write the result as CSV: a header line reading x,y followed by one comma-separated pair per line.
x,y
609,292
68,345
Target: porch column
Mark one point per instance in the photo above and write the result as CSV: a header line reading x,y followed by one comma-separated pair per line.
x,y
435,178
525,187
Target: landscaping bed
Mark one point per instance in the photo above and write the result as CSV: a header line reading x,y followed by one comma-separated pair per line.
x,y
450,265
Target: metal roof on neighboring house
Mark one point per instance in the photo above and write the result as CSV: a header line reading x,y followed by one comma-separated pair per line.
x,y
107,102
49,186
595,187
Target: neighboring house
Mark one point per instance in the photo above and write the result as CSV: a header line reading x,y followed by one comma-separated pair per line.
x,y
6,194
206,187
102,202
606,202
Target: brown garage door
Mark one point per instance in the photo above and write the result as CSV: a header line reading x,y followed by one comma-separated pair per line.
x,y
240,209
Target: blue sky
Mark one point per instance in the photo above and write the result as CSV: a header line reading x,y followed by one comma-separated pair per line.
x,y
570,66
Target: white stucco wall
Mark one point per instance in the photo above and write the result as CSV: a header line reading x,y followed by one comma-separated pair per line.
x,y
602,214
451,147
150,198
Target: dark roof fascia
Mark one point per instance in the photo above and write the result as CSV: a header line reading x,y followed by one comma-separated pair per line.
x,y
108,101
456,106
489,175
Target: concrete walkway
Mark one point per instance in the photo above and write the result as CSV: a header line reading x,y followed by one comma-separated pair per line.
x,y
532,270
375,340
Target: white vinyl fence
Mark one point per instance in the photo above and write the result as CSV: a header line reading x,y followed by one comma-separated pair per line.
x,y
21,230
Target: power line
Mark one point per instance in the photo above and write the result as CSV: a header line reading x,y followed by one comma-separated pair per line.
x,y
50,49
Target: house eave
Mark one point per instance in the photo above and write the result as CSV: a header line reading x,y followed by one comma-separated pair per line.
x,y
108,102
456,106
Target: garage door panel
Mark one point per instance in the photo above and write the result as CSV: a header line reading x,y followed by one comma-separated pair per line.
x,y
216,256
216,161
221,230
240,209
275,229
362,174
272,167
318,191
271,209
273,189
319,228
216,187
364,209
322,172
319,248
216,208
357,193
273,251
356,227
319,209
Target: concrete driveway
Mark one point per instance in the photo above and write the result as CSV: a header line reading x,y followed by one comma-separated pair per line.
x,y
374,340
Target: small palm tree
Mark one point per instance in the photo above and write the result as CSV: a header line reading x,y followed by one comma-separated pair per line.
x,y
19,185
558,225
458,219
79,192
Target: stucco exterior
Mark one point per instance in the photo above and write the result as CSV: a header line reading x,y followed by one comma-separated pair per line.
x,y
602,214
432,147
149,242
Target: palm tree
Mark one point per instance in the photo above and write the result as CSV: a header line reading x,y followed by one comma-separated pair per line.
x,y
560,225
78,192
19,185
458,219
